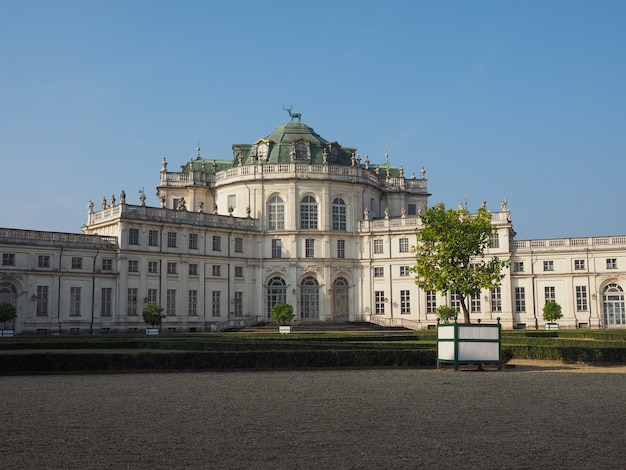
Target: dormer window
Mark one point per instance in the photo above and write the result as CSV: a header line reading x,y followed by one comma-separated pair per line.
x,y
261,151
302,150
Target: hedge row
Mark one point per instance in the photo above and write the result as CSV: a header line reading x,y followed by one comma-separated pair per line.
x,y
170,360
568,353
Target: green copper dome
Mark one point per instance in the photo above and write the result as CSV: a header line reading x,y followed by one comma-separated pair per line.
x,y
292,141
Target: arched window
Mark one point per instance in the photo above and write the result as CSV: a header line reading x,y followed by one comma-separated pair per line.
x,y
339,214
613,306
309,299
308,213
340,299
276,213
8,293
276,292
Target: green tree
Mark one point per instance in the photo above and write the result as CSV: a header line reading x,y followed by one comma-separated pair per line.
x,y
152,314
551,311
7,313
450,253
282,312
445,313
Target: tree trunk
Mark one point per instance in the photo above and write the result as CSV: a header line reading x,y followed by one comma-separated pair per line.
x,y
466,318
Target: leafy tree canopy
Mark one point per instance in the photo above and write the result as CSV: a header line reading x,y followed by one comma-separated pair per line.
x,y
450,253
7,312
445,313
152,314
282,312
551,311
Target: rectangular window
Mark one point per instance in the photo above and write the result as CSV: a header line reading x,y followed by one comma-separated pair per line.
x,y
193,241
42,301
74,301
77,262
404,245
215,303
379,271
579,264
520,299
153,237
277,248
171,267
171,239
238,303
133,236
107,264
496,300
133,265
153,296
153,267
378,246
105,302
43,261
193,302
549,294
238,245
193,269
217,270
405,301
238,271
475,304
379,302
548,265
341,249
411,209
170,305
431,301
131,301
405,271
217,243
581,298
455,301
232,202
494,241
309,248
611,263
8,259
518,267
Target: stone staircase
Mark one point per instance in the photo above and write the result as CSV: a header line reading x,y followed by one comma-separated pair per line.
x,y
324,327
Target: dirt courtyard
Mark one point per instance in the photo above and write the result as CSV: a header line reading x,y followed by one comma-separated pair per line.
x,y
546,415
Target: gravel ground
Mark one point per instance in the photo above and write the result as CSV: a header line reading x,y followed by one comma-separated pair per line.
x,y
533,415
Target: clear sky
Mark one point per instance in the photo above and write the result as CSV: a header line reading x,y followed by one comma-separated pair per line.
x,y
523,100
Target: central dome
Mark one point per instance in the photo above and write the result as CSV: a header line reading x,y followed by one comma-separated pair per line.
x,y
292,141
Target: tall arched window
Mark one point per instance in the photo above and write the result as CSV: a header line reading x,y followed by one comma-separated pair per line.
x,y
309,299
613,306
339,214
308,213
340,299
8,293
276,213
276,292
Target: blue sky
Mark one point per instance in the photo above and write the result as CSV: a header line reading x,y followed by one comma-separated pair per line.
x,y
523,100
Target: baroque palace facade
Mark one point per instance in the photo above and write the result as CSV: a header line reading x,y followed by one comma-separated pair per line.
x,y
291,217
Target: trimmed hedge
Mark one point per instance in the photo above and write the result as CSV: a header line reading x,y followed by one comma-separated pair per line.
x,y
251,359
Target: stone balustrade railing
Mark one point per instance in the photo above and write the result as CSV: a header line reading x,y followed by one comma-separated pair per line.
x,y
529,245
8,235
291,170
